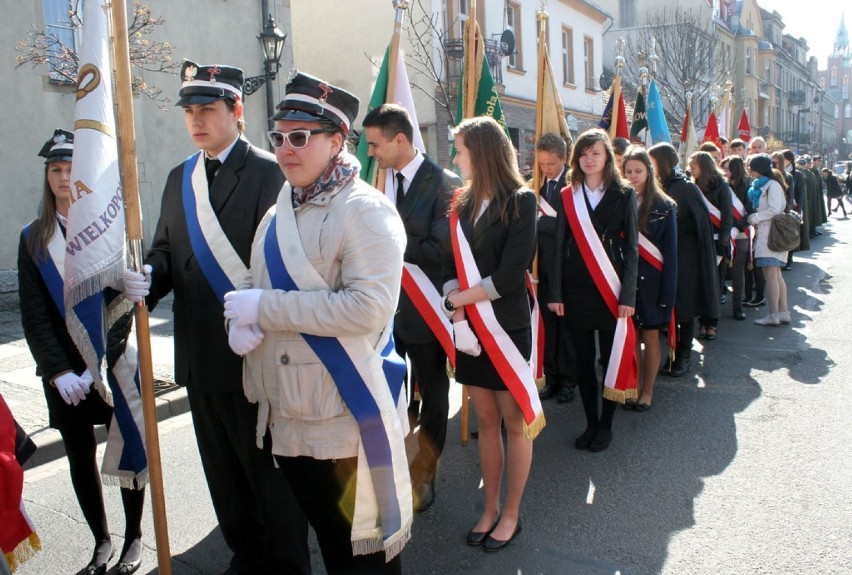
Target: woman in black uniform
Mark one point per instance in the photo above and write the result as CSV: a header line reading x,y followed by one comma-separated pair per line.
x,y
74,407
497,215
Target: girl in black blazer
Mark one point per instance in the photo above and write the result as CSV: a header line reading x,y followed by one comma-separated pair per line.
x,y
74,407
656,288
497,216
574,294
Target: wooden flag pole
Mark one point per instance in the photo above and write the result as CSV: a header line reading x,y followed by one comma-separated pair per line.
x,y
133,214
393,61
539,118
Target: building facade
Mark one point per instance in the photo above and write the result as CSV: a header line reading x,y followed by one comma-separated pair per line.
x,y
836,80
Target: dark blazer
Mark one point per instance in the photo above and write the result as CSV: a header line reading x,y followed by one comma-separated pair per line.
x,y
720,196
424,212
656,289
614,220
546,228
246,185
503,251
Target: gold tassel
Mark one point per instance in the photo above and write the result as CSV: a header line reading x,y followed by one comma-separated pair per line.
x,y
25,550
539,383
620,395
532,430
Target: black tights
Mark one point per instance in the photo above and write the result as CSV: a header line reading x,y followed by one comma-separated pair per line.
x,y
81,446
587,377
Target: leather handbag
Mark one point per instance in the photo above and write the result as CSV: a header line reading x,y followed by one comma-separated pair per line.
x,y
784,232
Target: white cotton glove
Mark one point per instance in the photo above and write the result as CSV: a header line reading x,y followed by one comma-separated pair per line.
x,y
137,285
242,307
466,341
72,387
244,338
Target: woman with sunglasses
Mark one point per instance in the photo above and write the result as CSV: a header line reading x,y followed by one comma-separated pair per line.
x,y
314,320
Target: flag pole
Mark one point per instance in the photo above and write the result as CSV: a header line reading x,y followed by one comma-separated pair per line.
x,y
130,187
393,60
541,15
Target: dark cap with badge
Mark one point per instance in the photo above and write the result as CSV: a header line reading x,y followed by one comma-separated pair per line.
x,y
201,84
59,148
309,99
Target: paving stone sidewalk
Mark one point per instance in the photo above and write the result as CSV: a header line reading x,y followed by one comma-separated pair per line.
x,y
23,391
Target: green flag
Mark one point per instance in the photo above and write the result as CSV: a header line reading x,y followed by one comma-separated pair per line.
x,y
639,132
368,164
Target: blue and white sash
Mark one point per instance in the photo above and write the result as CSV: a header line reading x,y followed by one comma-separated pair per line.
x,y
383,504
219,261
125,461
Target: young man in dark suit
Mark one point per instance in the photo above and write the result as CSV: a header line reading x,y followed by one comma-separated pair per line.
x,y
423,191
559,363
211,206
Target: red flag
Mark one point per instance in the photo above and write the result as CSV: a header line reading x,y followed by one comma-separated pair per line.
x,y
621,129
711,132
744,128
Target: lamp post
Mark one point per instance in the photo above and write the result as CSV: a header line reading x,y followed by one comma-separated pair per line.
x,y
272,44
799,128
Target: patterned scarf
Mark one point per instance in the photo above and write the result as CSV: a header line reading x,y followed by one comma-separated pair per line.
x,y
340,171
755,191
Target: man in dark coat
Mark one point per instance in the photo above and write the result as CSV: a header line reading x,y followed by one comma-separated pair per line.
x,y
559,362
422,193
203,240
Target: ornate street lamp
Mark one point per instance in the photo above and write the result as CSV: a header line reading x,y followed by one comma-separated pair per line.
x,y
272,44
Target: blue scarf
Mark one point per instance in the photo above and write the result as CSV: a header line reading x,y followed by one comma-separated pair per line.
x,y
755,191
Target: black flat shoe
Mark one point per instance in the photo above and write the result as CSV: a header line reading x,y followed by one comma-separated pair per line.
x,y
629,405
100,558
711,333
565,395
585,440
642,407
131,557
601,441
492,544
739,315
547,392
475,538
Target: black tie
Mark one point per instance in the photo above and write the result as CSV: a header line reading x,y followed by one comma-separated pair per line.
x,y
551,189
400,189
210,166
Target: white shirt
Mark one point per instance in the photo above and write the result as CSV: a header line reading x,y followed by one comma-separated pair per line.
x,y
408,173
223,155
595,196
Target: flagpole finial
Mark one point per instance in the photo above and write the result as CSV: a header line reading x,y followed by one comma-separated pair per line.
x,y
400,4
619,58
541,13
653,58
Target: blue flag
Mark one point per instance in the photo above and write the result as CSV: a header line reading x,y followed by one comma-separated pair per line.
x,y
656,117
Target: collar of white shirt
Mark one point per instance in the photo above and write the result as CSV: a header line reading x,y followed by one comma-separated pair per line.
x,y
410,170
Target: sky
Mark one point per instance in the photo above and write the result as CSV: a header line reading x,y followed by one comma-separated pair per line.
x,y
817,21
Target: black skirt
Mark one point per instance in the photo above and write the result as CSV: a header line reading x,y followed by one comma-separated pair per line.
x,y
480,371
91,411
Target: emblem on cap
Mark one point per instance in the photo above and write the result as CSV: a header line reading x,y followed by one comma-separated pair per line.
x,y
214,71
189,73
59,138
326,91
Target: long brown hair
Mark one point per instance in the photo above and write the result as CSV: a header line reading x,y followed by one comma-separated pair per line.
x,y
653,189
586,140
709,176
665,156
41,230
494,167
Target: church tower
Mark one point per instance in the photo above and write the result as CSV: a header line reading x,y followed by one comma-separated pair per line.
x,y
841,42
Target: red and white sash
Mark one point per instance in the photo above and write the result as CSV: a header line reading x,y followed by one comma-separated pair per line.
x,y
545,208
513,367
715,214
427,301
622,372
737,207
652,254
537,331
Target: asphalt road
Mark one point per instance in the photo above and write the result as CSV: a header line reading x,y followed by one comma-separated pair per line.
x,y
743,467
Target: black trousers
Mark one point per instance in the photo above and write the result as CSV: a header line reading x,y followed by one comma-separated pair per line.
x,y
326,492
587,377
560,361
257,512
429,370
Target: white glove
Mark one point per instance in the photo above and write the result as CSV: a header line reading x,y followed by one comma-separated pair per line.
x,y
137,285
244,338
72,387
466,341
241,307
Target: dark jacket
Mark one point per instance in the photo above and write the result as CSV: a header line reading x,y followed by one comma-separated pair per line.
x,y
503,252
656,289
546,231
424,213
798,192
614,220
832,187
246,185
697,286
720,196
741,192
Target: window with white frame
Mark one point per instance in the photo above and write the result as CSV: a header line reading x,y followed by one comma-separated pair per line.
x,y
589,62
513,23
567,55
61,33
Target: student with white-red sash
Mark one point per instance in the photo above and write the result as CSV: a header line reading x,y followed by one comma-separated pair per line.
x,y
743,238
717,197
596,220
697,288
492,228
657,282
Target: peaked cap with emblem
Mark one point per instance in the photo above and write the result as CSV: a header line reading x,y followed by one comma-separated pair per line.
x,y
309,99
201,83
59,148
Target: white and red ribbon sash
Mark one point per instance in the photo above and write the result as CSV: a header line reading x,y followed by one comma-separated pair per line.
x,y
715,214
545,208
737,207
622,372
649,252
537,330
427,301
513,367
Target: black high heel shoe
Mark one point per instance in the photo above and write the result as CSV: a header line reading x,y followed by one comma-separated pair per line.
x,y
475,538
100,558
131,557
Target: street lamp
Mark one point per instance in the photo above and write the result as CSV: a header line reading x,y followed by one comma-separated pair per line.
x,y
272,44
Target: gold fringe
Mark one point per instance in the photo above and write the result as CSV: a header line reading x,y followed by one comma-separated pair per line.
x,y
451,371
532,430
25,550
539,383
620,395
671,353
